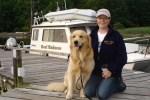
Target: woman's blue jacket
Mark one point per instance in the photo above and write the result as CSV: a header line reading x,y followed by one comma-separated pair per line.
x,y
112,52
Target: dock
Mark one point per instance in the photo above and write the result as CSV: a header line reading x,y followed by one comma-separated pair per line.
x,y
41,70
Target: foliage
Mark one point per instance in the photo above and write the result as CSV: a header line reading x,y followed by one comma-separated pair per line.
x,y
135,30
118,25
16,14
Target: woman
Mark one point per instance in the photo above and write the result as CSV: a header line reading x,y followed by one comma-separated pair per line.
x,y
110,56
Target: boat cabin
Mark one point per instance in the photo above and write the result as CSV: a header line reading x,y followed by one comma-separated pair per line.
x,y
53,37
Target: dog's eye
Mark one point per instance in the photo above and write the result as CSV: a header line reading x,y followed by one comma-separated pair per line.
x,y
81,36
73,36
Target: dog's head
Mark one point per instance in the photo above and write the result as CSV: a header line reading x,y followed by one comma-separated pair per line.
x,y
80,39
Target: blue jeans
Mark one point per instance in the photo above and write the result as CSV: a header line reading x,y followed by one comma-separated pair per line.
x,y
101,88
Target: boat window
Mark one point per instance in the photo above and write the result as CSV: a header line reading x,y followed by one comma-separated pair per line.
x,y
60,35
48,35
54,35
35,34
77,28
51,35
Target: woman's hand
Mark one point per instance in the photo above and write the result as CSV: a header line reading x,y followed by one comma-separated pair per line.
x,y
106,73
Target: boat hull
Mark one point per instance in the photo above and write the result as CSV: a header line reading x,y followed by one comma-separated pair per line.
x,y
143,66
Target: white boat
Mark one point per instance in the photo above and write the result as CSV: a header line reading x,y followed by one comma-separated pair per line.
x,y
72,14
51,38
138,54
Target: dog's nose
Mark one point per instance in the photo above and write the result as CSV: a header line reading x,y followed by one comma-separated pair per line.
x,y
75,42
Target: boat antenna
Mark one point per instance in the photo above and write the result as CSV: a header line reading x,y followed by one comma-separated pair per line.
x,y
65,4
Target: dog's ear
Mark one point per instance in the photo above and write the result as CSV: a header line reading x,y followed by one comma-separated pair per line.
x,y
70,38
89,41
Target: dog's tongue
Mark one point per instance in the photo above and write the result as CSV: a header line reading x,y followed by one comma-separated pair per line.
x,y
76,47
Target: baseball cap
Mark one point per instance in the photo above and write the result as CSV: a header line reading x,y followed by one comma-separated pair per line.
x,y
103,12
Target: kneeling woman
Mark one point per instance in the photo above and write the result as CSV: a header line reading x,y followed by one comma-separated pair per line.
x,y
110,56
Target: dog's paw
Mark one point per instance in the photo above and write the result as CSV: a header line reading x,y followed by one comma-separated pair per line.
x,y
68,96
66,91
82,96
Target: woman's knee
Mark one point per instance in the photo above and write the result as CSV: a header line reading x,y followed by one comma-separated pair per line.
x,y
89,91
106,88
89,94
102,95
91,86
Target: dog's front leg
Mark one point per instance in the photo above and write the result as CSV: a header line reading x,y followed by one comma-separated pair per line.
x,y
82,93
70,85
85,79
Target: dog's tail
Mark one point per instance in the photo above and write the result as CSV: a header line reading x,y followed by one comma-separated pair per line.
x,y
56,87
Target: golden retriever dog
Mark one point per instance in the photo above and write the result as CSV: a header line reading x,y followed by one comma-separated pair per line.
x,y
80,67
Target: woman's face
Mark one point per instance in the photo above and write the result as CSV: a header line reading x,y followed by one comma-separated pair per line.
x,y
103,21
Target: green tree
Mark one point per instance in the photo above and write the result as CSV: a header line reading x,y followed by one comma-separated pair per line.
x,y
16,14
7,15
139,12
22,15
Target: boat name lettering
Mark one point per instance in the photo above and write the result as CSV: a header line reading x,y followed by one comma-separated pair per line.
x,y
50,47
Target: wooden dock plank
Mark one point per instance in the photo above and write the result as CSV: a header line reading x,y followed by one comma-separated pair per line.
x,y
7,98
128,97
38,95
41,70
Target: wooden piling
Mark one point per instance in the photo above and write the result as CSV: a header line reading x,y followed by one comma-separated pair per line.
x,y
17,63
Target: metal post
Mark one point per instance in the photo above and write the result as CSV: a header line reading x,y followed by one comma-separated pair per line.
x,y
31,21
0,90
17,63
65,4
147,47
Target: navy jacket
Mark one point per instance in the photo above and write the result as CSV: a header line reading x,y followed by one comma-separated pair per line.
x,y
112,52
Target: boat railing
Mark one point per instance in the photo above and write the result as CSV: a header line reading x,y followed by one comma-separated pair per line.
x,y
38,19
126,39
145,48
144,44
